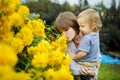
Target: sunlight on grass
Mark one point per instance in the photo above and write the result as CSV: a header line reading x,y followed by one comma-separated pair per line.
x,y
109,72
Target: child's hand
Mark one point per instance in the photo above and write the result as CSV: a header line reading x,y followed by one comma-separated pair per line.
x,y
72,55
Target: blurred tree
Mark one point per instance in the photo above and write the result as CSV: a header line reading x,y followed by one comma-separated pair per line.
x,y
47,9
111,28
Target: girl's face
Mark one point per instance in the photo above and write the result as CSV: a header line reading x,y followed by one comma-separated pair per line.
x,y
84,27
69,34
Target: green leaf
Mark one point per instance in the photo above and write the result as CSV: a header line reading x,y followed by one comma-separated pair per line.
x,y
28,65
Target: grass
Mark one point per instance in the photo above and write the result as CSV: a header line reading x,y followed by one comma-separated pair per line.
x,y
109,72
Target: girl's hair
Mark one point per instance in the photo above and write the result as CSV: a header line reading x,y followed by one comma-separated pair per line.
x,y
91,17
65,20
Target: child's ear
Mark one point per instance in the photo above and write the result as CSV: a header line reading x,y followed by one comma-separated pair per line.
x,y
94,27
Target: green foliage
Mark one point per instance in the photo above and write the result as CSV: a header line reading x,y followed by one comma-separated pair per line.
x,y
31,16
24,61
35,41
52,33
15,29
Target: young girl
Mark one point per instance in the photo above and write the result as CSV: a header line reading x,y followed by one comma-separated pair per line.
x,y
88,51
67,24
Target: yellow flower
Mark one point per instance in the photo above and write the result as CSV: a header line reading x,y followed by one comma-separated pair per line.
x,y
66,60
36,73
6,73
10,6
15,19
23,10
38,28
22,76
5,26
50,74
56,58
7,37
42,47
40,60
60,43
17,44
7,55
64,74
37,16
25,34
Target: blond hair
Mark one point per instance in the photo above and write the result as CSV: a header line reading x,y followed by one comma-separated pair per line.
x,y
91,17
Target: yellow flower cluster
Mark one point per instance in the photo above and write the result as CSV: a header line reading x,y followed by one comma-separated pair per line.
x,y
61,42
53,58
61,74
13,16
7,55
47,60
8,59
47,54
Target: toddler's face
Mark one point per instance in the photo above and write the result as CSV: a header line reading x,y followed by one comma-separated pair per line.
x,y
84,27
69,34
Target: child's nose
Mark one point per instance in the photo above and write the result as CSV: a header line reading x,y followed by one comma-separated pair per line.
x,y
79,28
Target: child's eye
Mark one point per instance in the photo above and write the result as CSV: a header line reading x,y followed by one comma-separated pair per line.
x,y
81,26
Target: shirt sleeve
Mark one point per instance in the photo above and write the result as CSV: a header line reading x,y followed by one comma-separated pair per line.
x,y
84,45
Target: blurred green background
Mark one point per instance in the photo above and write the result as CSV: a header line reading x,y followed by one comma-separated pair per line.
x,y
109,34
